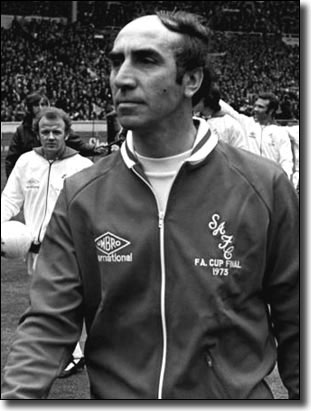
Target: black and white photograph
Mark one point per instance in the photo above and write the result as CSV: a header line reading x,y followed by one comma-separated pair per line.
x,y
150,201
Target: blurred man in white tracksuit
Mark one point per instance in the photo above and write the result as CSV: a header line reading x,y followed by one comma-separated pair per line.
x,y
226,127
293,134
35,184
264,136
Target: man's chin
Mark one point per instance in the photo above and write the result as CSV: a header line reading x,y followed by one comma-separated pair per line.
x,y
51,153
130,123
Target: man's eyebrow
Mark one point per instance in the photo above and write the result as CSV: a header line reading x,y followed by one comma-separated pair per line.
x,y
114,54
144,52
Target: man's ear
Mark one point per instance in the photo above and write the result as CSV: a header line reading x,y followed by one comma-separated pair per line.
x,y
271,112
192,81
66,137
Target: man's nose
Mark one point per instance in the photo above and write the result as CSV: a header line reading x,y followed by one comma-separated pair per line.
x,y
124,76
51,135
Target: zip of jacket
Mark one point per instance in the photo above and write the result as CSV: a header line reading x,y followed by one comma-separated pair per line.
x,y
46,201
161,215
161,225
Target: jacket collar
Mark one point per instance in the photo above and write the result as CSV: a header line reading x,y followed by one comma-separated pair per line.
x,y
68,152
204,144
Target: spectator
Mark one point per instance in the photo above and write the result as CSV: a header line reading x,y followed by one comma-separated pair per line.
x,y
68,62
35,184
176,248
113,126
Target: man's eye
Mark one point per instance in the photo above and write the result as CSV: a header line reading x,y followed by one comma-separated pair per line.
x,y
115,62
47,133
148,60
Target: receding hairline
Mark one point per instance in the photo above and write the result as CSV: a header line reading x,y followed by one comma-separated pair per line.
x,y
144,24
142,19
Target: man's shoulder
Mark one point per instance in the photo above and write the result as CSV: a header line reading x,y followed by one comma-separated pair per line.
x,y
25,129
28,156
26,161
275,127
277,131
251,165
231,122
89,176
80,160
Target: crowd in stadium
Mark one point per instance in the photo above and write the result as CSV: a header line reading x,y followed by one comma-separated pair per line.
x,y
67,62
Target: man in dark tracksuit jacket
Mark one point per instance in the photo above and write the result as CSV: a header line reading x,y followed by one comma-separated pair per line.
x,y
179,252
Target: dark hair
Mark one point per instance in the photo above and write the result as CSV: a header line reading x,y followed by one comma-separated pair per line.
x,y
32,100
273,101
205,91
211,100
191,51
53,113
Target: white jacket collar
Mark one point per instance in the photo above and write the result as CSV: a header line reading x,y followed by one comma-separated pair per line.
x,y
204,144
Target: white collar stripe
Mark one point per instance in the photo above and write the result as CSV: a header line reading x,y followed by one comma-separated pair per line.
x,y
205,142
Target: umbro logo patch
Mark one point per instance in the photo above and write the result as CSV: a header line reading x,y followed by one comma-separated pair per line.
x,y
109,243
32,183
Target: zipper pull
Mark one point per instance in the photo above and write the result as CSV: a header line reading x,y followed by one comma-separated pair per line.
x,y
161,219
209,360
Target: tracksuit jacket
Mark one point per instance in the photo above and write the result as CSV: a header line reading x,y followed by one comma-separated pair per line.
x,y
25,139
194,303
270,141
34,186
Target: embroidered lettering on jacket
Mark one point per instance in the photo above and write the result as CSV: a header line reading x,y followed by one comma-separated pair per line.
x,y
32,183
109,245
219,231
220,266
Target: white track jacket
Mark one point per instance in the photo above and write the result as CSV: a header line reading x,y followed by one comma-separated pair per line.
x,y
35,184
271,141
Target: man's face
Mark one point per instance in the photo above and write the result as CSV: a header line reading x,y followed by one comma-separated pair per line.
x,y
52,136
37,107
261,113
143,75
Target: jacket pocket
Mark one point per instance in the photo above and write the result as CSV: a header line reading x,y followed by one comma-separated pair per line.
x,y
219,388
216,385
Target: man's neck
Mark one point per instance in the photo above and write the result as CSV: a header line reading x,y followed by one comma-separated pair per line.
x,y
266,122
52,156
160,142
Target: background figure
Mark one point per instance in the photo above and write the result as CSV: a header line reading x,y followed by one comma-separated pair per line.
x,y
264,136
115,133
226,127
179,251
36,181
113,126
293,133
25,139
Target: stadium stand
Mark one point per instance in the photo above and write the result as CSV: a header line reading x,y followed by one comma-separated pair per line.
x,y
254,47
